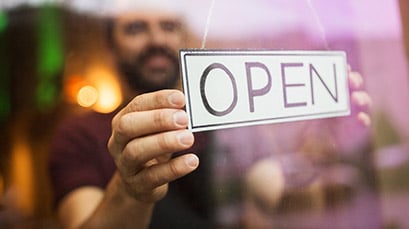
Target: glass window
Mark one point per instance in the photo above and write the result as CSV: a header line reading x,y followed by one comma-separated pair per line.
x,y
62,60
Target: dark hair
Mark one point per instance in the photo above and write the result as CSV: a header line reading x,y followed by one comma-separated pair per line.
x,y
109,24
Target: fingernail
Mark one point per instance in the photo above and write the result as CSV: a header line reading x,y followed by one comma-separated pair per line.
x,y
186,138
180,118
364,118
176,99
192,161
361,98
355,80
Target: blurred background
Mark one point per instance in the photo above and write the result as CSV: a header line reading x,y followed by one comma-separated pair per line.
x,y
54,62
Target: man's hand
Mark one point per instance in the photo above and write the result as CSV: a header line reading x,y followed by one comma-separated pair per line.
x,y
344,135
353,132
144,135
360,100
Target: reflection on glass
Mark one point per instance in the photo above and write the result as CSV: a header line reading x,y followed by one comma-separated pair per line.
x,y
328,173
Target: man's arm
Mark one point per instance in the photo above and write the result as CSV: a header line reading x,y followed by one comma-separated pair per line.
x,y
91,207
144,135
72,211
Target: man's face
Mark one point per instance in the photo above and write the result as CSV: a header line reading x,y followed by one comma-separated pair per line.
x,y
146,46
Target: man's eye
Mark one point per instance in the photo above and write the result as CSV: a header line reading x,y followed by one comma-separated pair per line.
x,y
170,26
134,28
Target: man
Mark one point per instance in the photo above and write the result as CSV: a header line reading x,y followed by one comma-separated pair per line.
x,y
145,133
132,190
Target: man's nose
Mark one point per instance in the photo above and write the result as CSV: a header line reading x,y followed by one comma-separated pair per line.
x,y
157,36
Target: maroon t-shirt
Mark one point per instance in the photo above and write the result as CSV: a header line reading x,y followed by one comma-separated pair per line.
x,y
79,157
79,154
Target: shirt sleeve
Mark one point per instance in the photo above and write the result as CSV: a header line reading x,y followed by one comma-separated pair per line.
x,y
74,160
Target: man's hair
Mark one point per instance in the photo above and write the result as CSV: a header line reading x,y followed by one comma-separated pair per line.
x,y
109,24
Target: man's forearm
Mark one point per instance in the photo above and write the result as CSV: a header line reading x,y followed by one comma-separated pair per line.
x,y
119,210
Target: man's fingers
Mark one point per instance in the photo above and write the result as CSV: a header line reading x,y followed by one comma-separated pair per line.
x,y
364,119
361,99
160,111
160,174
355,80
130,127
153,121
141,150
156,100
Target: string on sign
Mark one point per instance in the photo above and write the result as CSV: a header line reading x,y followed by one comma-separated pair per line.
x,y
206,30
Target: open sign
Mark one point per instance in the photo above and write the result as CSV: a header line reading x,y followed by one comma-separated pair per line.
x,y
232,88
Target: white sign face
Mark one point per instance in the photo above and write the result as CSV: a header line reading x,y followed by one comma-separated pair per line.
x,y
232,88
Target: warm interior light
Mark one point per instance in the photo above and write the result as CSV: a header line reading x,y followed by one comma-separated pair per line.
x,y
97,88
72,85
109,99
22,173
108,89
87,96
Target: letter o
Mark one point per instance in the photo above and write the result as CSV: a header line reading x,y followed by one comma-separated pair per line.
x,y
203,79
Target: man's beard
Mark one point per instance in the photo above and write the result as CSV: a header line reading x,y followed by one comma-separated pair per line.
x,y
142,81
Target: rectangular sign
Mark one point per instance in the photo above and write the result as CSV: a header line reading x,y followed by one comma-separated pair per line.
x,y
233,88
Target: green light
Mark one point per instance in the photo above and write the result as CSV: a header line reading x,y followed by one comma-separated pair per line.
x,y
46,95
5,106
50,56
3,21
